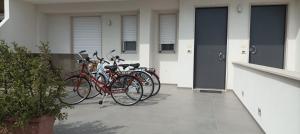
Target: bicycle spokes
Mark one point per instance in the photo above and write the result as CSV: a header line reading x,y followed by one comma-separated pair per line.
x,y
126,90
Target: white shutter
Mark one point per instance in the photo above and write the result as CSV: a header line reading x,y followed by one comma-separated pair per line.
x,y
168,29
87,34
129,28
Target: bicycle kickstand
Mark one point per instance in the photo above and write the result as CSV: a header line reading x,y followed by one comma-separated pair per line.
x,y
102,100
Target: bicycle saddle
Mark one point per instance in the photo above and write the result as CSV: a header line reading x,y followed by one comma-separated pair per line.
x,y
136,65
124,65
112,68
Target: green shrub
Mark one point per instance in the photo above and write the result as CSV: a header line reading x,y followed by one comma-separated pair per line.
x,y
29,84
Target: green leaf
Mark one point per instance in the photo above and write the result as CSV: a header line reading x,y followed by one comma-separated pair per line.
x,y
29,84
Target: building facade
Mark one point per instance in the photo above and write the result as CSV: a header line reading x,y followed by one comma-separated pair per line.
x,y
54,21
191,43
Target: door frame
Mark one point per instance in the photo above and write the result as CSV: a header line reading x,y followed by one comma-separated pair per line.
x,y
287,16
227,43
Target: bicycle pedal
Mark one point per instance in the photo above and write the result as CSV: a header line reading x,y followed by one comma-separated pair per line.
x,y
100,102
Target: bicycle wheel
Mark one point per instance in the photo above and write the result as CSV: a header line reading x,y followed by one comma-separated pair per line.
x,y
147,82
95,91
102,79
77,90
156,81
126,90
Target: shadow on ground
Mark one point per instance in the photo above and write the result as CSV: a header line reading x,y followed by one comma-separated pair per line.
x,y
85,128
154,100
109,102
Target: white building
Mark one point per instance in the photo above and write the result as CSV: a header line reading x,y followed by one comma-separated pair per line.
x,y
191,43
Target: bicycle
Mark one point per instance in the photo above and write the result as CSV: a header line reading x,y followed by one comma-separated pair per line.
x,y
136,67
154,77
144,77
125,89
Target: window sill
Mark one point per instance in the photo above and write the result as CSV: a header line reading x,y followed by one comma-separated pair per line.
x,y
129,52
167,52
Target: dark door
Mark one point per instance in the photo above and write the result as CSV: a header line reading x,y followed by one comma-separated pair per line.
x,y
210,48
267,36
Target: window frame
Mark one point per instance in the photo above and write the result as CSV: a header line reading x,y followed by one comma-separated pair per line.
x,y
5,15
159,34
2,10
123,51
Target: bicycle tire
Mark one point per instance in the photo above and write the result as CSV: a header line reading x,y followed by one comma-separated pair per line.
x,y
147,81
95,91
122,81
102,80
77,92
156,81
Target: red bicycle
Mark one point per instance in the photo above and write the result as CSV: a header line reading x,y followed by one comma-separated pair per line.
x,y
125,89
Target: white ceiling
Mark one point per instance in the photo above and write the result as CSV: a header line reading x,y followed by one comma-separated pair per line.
x,y
67,1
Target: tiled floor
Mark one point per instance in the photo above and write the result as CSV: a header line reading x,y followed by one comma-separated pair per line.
x,y
173,111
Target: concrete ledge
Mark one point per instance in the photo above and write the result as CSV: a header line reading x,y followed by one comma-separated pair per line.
x,y
271,70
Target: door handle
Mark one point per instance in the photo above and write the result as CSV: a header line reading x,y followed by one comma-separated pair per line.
x,y
253,49
221,56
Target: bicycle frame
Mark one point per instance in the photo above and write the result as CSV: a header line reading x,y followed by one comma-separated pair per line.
x,y
129,87
108,75
105,87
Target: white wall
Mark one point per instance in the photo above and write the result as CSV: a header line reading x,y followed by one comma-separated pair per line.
x,y
30,24
115,6
21,26
166,63
59,30
111,36
59,33
278,98
42,27
238,35
291,42
297,59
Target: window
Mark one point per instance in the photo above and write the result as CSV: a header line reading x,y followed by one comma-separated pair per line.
x,y
87,34
167,35
129,33
1,10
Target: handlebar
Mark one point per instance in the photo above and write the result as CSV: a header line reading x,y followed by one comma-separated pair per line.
x,y
80,54
115,58
118,58
87,59
82,51
100,59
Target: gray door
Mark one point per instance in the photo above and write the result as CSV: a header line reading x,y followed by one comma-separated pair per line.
x,y
267,36
210,48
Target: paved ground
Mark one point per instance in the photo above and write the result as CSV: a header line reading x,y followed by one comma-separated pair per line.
x,y
173,111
